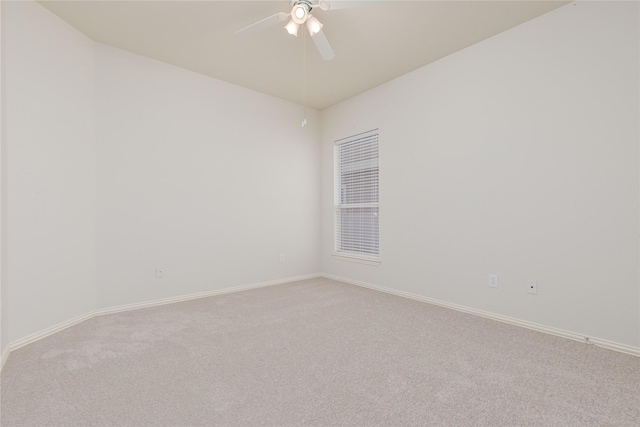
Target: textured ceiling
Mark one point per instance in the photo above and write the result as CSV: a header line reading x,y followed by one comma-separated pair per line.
x,y
373,44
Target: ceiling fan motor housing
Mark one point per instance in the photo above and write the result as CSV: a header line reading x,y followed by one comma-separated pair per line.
x,y
300,10
303,15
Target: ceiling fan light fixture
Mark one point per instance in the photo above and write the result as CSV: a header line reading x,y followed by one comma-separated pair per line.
x,y
313,25
299,13
292,28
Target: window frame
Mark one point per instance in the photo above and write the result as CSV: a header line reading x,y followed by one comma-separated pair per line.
x,y
339,206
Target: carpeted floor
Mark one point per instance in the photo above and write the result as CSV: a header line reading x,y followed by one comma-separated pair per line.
x,y
314,353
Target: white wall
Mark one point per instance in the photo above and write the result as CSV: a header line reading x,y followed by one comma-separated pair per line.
x,y
114,164
48,194
516,156
207,180
4,344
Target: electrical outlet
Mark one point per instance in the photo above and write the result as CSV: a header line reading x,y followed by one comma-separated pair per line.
x,y
159,272
493,280
532,287
281,257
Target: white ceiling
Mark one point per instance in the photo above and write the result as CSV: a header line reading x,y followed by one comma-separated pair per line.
x,y
373,44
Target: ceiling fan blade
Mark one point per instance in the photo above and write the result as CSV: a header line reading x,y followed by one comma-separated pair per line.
x,y
346,4
323,46
261,25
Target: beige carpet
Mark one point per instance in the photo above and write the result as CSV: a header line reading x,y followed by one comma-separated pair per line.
x,y
314,353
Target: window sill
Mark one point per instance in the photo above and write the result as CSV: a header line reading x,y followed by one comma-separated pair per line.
x,y
360,260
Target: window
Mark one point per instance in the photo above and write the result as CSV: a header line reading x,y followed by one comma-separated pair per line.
x,y
356,197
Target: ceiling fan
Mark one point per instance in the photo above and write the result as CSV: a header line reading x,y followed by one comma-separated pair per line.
x,y
301,14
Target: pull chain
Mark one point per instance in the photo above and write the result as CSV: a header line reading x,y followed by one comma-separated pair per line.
x,y
304,79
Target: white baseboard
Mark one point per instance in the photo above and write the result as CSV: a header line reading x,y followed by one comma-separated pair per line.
x,y
57,328
49,331
3,358
634,351
188,297
506,319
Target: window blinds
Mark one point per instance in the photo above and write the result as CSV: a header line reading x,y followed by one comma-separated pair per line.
x,y
356,196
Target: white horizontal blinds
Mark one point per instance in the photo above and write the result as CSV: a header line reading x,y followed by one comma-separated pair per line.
x,y
356,195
